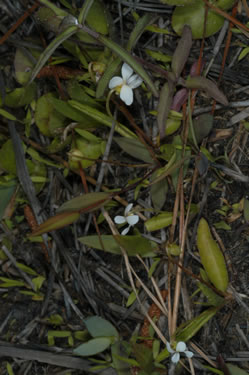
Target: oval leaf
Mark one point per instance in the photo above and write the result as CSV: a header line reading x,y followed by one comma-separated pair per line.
x,y
93,346
194,16
134,148
160,221
211,256
98,326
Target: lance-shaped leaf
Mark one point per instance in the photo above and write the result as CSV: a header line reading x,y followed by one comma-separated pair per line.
x,y
213,298
84,10
106,77
187,330
138,30
56,222
210,87
182,51
125,56
58,11
164,105
85,202
133,244
134,148
45,55
102,118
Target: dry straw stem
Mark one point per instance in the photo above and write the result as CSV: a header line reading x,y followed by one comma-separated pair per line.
x,y
130,270
202,354
183,231
158,292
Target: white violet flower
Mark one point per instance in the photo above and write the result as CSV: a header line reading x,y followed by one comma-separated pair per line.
x,y
125,84
128,217
180,348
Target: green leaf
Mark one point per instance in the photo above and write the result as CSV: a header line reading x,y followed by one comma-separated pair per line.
x,y
92,347
38,281
6,193
58,11
26,269
85,203
66,109
36,156
7,115
153,266
213,298
160,221
194,16
110,71
212,257
188,329
243,53
133,244
51,48
84,10
117,363
20,96
56,222
55,319
222,225
182,51
162,355
159,192
8,164
202,125
89,147
23,66
138,30
49,19
164,104
9,283
246,210
210,87
144,357
9,369
131,299
134,148
102,118
126,57
47,118
235,370
159,56
98,326
95,13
